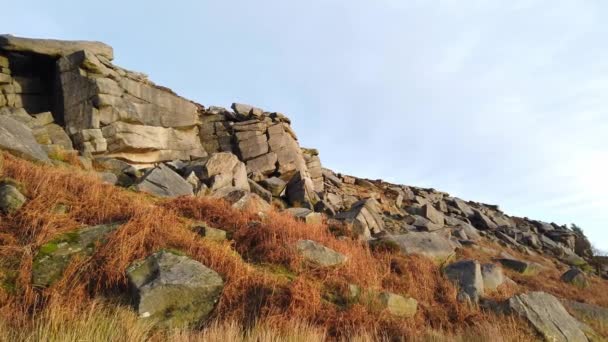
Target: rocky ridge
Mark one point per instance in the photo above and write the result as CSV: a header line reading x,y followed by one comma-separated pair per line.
x,y
67,98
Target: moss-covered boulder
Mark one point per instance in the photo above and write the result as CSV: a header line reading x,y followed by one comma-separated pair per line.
x,y
397,304
11,199
54,256
174,290
316,253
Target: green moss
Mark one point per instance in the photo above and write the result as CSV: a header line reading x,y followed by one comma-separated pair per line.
x,y
48,248
280,271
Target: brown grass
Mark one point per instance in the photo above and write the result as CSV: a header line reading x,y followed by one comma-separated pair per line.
x,y
267,283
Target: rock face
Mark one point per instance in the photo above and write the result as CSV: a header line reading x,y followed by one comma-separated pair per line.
x,y
174,289
53,257
319,254
364,217
11,200
430,245
466,275
548,316
52,47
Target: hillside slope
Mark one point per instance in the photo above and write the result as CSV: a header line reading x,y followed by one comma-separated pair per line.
x,y
120,199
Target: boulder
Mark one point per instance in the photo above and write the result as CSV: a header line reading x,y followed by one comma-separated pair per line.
x,y
397,304
306,215
575,277
11,199
260,191
548,316
480,220
242,199
364,217
466,276
492,276
424,224
432,214
174,289
222,169
430,245
209,232
17,138
274,185
317,253
300,191
164,182
587,311
53,48
54,256
520,266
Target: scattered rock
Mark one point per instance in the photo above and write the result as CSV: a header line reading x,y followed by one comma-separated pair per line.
x,y
274,185
164,182
575,277
432,214
306,215
11,199
53,257
174,289
587,311
364,217
466,275
301,191
430,245
319,254
208,232
398,305
523,267
548,316
242,200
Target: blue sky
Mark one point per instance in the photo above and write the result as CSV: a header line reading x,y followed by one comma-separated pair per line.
x,y
495,101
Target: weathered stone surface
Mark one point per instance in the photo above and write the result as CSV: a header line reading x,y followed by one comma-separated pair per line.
x,y
164,182
575,277
275,185
246,110
53,257
492,276
11,200
53,48
221,170
260,191
242,199
364,217
306,215
432,214
548,316
319,254
466,275
174,289
58,136
265,164
17,138
210,232
301,192
587,311
253,147
430,245
480,220
398,305
523,267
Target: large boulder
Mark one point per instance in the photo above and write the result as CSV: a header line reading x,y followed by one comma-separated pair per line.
x,y
54,256
162,181
521,266
466,275
317,253
364,215
11,199
548,316
432,214
306,215
174,289
222,169
587,311
430,245
17,138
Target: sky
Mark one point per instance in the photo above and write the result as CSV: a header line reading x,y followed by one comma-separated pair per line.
x,y
501,102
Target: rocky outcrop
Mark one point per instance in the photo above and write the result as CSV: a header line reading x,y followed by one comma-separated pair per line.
x,y
174,289
364,218
164,182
